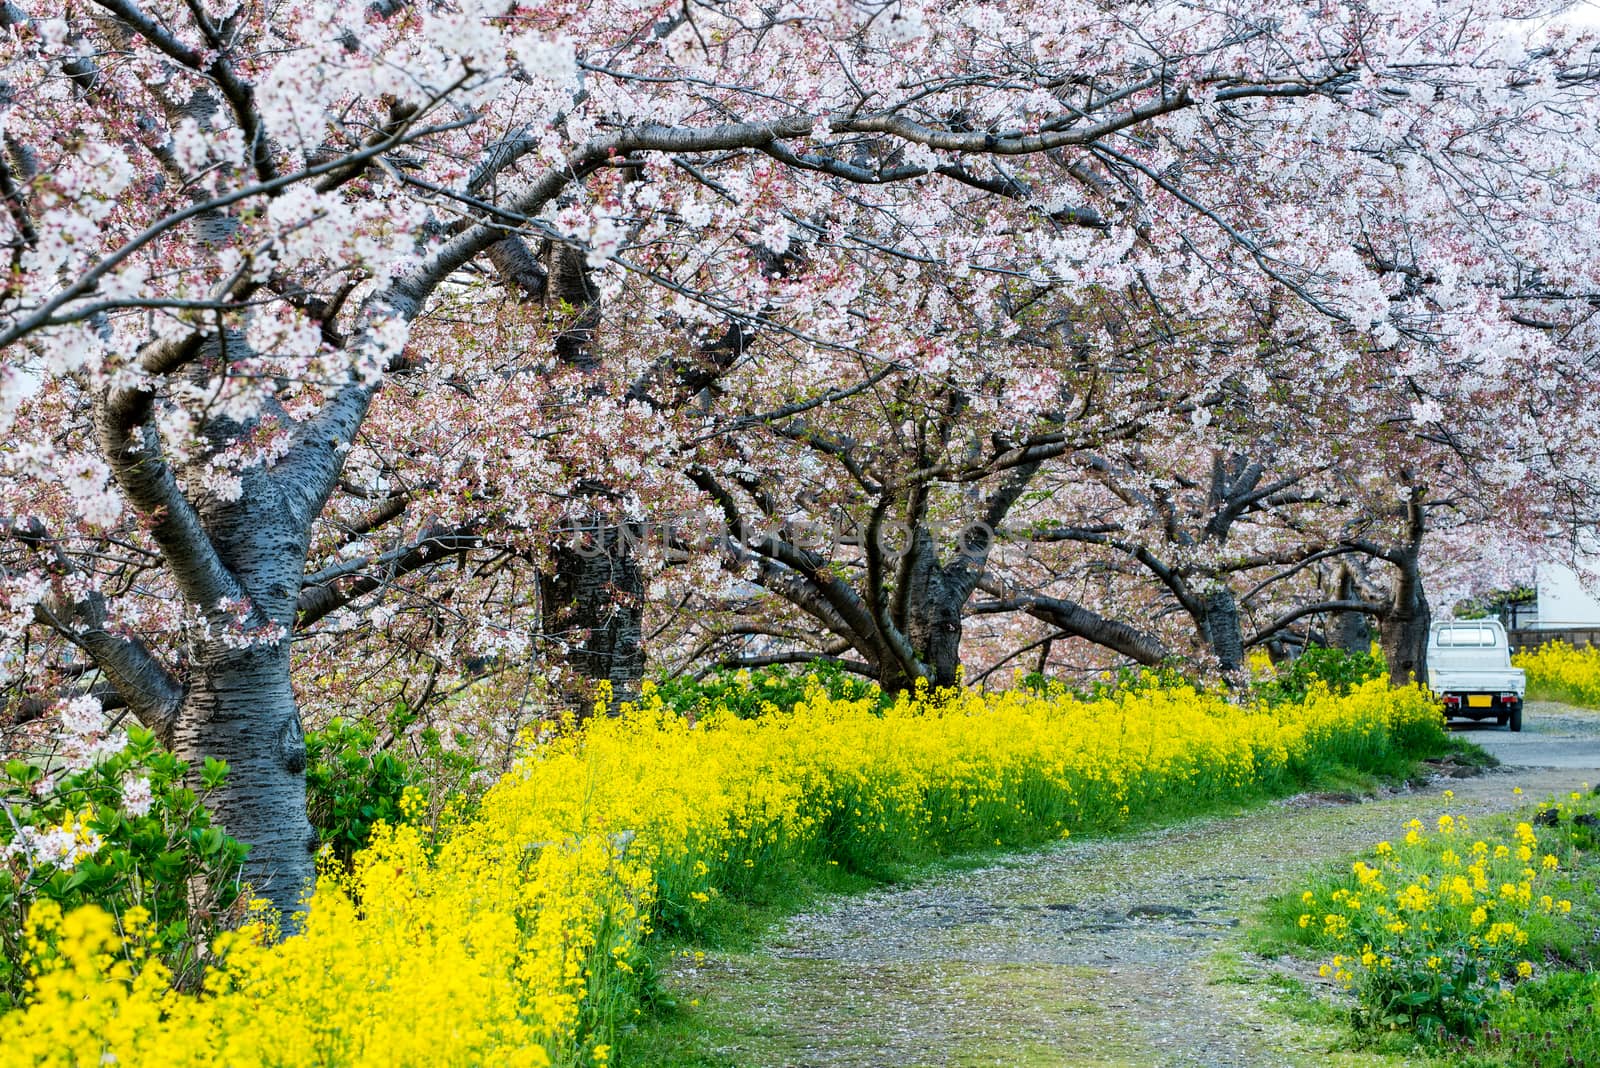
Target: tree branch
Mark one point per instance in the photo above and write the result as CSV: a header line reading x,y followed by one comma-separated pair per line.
x,y
321,595
1271,630
1076,620
152,692
132,450
795,656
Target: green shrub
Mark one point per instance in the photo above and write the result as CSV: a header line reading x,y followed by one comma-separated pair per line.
x,y
1129,678
1339,669
352,783
126,833
751,693
358,774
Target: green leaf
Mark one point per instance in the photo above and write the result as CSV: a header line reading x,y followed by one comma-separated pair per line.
x,y
23,772
213,773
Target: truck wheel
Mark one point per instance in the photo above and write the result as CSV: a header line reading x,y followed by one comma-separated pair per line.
x,y
1516,716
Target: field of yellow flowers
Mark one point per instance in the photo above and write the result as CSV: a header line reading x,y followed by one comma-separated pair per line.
x,y
1559,672
519,936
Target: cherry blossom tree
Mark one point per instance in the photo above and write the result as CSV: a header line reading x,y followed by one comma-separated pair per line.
x,y
279,339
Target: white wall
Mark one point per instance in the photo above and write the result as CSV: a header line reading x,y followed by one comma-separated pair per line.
x,y
1562,600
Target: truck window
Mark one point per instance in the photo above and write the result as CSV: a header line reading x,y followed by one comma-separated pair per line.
x,y
1470,637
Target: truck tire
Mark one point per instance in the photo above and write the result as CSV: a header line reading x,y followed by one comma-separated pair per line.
x,y
1516,716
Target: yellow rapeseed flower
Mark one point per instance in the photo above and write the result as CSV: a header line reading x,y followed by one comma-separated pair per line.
x,y
512,936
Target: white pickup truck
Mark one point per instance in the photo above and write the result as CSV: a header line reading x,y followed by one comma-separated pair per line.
x,y
1469,667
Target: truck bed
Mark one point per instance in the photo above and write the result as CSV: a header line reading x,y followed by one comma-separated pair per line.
x,y
1483,680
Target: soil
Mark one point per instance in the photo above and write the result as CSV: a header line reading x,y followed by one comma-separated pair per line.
x,y
1110,953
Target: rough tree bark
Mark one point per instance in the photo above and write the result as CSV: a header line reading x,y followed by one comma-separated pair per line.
x,y
240,708
1403,632
593,601
1403,628
1404,617
934,598
593,590
1219,626
1350,630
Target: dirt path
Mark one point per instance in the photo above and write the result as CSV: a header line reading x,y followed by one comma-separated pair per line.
x,y
1122,952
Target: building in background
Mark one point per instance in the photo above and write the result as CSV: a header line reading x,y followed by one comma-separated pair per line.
x,y
1563,603
1562,611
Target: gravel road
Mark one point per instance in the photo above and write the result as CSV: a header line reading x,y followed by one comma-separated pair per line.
x,y
1553,736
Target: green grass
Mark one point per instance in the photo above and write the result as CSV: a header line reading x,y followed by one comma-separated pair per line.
x,y
1560,694
679,1036
1552,1024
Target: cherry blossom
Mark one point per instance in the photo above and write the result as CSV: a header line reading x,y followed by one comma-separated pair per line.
x,y
336,337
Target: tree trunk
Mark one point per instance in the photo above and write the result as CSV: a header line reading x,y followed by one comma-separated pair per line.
x,y
935,633
933,600
240,708
1221,629
594,603
1403,630
239,704
1350,630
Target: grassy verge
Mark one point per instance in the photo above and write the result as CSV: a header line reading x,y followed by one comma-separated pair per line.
x,y
1464,944
1555,693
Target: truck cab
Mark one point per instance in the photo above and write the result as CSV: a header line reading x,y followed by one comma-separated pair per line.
x,y
1469,667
